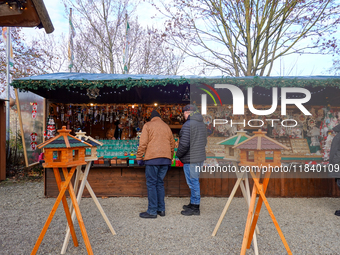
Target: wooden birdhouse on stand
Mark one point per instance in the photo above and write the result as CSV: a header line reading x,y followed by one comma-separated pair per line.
x,y
254,159
230,152
64,150
260,150
88,139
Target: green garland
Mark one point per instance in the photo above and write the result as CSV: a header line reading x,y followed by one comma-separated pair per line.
x,y
269,82
265,82
31,85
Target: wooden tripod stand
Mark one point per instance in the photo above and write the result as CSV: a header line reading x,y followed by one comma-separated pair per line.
x,y
80,175
259,188
243,183
63,186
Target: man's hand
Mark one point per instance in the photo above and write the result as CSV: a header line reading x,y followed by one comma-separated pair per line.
x,y
140,162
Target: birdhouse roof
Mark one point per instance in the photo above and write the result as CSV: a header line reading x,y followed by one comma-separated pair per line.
x,y
64,140
261,142
81,135
236,139
91,141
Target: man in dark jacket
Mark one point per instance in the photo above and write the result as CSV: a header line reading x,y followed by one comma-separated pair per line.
x,y
334,159
191,152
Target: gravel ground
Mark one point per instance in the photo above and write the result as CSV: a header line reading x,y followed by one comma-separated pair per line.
x,y
309,225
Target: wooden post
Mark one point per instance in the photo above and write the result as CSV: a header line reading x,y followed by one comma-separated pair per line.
x,y
265,201
2,140
249,220
83,176
21,127
65,205
259,202
232,194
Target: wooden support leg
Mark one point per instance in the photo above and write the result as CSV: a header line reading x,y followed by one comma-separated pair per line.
x,y
63,188
259,202
99,207
79,217
67,211
246,195
76,184
249,220
227,206
80,175
265,201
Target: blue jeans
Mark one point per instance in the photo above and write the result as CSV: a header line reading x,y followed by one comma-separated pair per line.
x,y
155,184
192,178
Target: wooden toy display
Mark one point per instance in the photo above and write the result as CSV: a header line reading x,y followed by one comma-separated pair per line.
x,y
253,153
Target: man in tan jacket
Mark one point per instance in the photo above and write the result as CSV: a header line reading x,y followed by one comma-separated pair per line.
x,y
157,145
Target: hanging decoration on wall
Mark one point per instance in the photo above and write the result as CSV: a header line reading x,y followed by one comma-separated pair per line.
x,y
93,93
50,128
34,109
186,95
33,137
33,146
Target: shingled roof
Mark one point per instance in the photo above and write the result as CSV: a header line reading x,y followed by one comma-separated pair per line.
x,y
81,135
236,139
64,140
260,142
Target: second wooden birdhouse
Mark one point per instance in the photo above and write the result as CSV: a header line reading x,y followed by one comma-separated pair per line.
x,y
260,150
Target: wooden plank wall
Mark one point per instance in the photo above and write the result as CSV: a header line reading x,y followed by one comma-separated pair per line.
x,y
131,182
2,140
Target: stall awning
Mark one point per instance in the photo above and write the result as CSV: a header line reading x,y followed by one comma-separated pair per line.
x,y
129,88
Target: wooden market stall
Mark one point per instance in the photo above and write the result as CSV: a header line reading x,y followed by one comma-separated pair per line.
x,y
91,102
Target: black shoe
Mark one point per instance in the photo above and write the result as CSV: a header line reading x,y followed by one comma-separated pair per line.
x,y
187,206
146,215
194,210
161,213
337,213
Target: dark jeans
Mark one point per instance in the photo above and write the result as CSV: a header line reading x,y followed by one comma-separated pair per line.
x,y
155,184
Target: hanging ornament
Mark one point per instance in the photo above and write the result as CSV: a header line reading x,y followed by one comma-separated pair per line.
x,y
33,137
33,146
34,109
311,122
50,128
186,95
93,93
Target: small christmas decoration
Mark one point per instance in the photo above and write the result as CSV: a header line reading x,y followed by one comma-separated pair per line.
x,y
34,109
186,95
50,128
33,137
33,145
